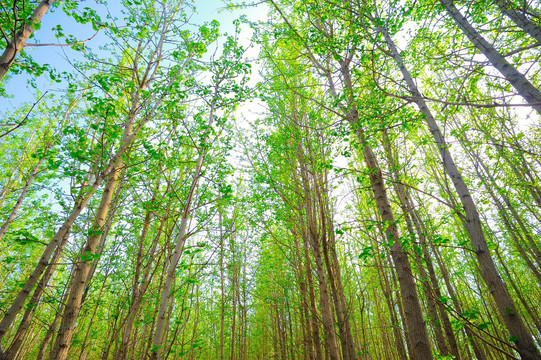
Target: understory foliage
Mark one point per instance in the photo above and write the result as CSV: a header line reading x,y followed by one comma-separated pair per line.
x,y
375,193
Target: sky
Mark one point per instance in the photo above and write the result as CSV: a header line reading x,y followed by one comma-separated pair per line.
x,y
16,86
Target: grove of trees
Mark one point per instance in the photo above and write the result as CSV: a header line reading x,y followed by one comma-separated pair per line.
x,y
368,186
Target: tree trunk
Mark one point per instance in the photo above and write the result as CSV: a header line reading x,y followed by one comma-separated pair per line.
x,y
412,308
513,322
32,305
387,294
82,270
524,87
19,202
222,288
166,291
140,282
19,41
519,19
314,239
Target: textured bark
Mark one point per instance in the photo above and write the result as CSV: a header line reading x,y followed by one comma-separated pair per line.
x,y
222,289
333,269
82,271
449,332
86,194
17,304
520,19
314,239
513,231
533,314
524,87
316,342
306,324
234,305
479,353
31,308
52,328
401,191
141,281
412,308
400,341
20,200
324,302
13,48
158,337
430,281
525,345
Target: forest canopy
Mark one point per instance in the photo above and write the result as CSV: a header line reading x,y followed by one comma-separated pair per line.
x,y
282,179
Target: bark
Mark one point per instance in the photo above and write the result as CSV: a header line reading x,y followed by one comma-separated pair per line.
x,y
19,41
17,304
316,342
32,305
324,301
430,281
401,191
314,239
180,239
515,234
400,342
234,291
524,87
533,314
412,308
140,282
222,295
449,332
82,271
520,19
20,200
479,353
525,345
331,259
52,328
86,194
335,278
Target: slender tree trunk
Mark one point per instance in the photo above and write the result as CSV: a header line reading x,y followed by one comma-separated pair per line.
x,y
449,332
412,308
80,205
333,269
432,291
314,238
316,342
20,200
524,87
512,319
82,270
514,233
234,290
519,19
479,353
17,304
533,314
140,282
32,305
387,294
166,291
52,328
324,301
222,288
13,48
